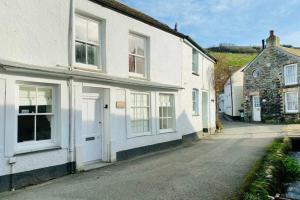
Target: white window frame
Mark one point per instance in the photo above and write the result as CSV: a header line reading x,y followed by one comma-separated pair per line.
x,y
169,130
98,45
23,147
195,65
286,102
145,57
195,101
130,133
286,80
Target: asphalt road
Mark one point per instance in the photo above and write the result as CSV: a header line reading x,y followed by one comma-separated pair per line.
x,y
212,168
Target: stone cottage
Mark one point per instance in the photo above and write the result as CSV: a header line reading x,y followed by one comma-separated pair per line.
x,y
271,84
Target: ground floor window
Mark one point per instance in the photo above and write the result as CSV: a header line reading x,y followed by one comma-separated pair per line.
x,y
291,102
166,112
195,101
140,113
35,113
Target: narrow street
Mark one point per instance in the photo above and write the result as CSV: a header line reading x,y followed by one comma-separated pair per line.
x,y
212,168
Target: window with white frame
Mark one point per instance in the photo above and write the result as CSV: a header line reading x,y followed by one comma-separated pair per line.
x,y
137,55
87,43
166,112
290,74
195,62
291,101
139,113
195,101
35,113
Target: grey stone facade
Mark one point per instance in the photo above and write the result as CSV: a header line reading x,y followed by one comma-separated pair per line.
x,y
269,85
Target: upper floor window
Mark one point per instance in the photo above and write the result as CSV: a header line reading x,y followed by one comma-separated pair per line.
x,y
291,102
87,41
166,112
290,74
195,62
137,55
195,99
35,113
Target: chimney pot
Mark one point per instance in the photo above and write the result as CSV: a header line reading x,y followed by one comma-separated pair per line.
x,y
271,32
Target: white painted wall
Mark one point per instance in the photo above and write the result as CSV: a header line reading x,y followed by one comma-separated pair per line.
x,y
35,32
237,94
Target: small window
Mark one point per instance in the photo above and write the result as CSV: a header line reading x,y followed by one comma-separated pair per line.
x,y
35,113
256,73
137,55
166,112
195,102
195,62
139,113
291,102
87,43
290,74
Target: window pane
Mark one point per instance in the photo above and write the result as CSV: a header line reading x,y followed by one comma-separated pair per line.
x,y
44,100
81,28
131,63
43,127
25,128
27,95
140,65
140,45
92,54
131,47
93,32
80,53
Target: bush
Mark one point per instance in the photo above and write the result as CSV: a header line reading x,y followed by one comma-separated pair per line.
x,y
266,176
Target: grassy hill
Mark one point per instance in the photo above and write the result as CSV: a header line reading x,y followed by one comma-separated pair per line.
x,y
235,60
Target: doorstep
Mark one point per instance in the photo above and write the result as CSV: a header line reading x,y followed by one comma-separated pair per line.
x,y
92,166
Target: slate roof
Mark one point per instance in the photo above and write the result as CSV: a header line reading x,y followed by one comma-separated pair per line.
x,y
133,13
293,51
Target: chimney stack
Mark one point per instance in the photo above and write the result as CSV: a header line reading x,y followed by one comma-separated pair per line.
x,y
263,44
175,28
273,40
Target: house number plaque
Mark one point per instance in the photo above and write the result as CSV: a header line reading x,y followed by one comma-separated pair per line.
x,y
120,104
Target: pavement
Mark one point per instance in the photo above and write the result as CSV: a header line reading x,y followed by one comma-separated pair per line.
x,y
212,168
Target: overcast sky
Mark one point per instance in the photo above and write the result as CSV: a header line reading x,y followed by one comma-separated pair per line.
x,y
241,22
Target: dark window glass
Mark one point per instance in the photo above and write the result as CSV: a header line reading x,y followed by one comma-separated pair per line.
x,y
26,109
25,128
92,54
80,52
44,109
43,127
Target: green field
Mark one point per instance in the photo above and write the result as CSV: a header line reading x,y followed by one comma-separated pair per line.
x,y
235,60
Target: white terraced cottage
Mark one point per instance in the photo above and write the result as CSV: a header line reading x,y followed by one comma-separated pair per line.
x,y
85,81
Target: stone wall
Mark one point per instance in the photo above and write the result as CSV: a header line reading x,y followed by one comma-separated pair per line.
x,y
269,85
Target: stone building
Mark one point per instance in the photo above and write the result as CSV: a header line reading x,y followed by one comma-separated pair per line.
x,y
271,84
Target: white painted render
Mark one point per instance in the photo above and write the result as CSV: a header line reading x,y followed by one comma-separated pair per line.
x,y
237,94
37,33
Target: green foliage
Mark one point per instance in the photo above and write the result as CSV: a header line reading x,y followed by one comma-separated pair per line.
x,y
267,175
235,60
235,49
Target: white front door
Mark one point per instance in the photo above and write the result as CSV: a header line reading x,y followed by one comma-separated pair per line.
x,y
205,111
256,108
91,127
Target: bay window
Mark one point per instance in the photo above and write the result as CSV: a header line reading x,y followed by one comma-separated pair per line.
x,y
166,112
137,55
291,102
290,74
87,43
139,113
35,113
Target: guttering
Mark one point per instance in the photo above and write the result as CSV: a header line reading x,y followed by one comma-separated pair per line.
x,y
64,72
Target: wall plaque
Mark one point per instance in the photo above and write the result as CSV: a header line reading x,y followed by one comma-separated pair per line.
x,y
120,104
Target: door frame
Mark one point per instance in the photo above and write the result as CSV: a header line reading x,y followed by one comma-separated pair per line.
x,y
253,108
106,144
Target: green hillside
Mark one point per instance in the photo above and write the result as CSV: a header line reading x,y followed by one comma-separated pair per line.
x,y
235,60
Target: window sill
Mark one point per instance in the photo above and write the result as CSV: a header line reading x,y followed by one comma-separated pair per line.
x,y
90,68
290,84
196,74
292,112
196,115
165,131
26,150
138,77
